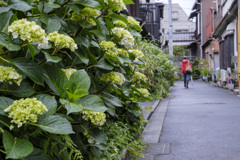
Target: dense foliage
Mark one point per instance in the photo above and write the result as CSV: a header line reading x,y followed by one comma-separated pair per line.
x,y
159,70
69,83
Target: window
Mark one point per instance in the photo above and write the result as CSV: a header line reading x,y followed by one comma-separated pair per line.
x,y
174,15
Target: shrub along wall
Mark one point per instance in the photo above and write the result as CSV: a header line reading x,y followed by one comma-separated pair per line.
x,y
159,70
68,81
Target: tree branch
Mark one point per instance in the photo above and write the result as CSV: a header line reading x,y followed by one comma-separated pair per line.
x,y
103,12
102,89
59,7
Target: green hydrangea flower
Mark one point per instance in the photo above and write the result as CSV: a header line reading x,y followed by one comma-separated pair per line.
x,y
69,72
106,45
120,23
118,4
97,118
112,52
2,3
137,53
10,75
62,41
144,92
132,21
125,36
86,15
29,31
138,76
114,77
77,17
122,52
89,12
23,111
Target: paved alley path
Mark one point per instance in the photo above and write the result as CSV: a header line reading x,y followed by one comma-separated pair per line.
x,y
201,123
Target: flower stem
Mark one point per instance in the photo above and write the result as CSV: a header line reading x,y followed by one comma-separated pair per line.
x,y
103,12
5,124
20,131
102,89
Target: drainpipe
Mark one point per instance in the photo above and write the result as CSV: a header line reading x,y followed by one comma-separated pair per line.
x,y
238,42
170,28
201,28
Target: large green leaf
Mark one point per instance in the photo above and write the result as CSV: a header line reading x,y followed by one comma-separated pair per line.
x,y
53,25
104,65
7,42
24,90
79,84
119,17
93,103
4,103
83,41
16,148
31,69
107,97
4,9
38,154
56,80
21,6
56,125
99,34
128,2
87,3
72,107
50,58
4,19
49,101
82,56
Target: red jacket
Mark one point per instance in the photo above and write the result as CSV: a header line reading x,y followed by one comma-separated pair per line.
x,y
184,65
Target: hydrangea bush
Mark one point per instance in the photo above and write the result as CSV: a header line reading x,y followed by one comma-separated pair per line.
x,y
68,72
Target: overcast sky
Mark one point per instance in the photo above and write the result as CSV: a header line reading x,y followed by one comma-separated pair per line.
x,y
185,4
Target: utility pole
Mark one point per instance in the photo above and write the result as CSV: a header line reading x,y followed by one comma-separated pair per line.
x,y
238,30
170,29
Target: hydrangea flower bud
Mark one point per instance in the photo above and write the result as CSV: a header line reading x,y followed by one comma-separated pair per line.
x,y
23,111
69,72
90,139
120,23
106,45
2,3
62,41
122,52
137,53
144,92
77,17
139,76
29,31
125,36
114,77
97,118
10,74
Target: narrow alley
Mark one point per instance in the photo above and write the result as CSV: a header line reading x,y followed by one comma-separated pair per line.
x,y
201,123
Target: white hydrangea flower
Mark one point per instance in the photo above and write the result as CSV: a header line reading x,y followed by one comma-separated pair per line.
x,y
10,75
114,77
144,91
97,118
22,111
29,31
125,36
62,41
137,53
139,76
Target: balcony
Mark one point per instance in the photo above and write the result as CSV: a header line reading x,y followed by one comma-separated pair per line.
x,y
182,36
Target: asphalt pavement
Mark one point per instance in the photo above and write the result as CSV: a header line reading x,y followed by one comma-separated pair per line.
x,y
198,123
